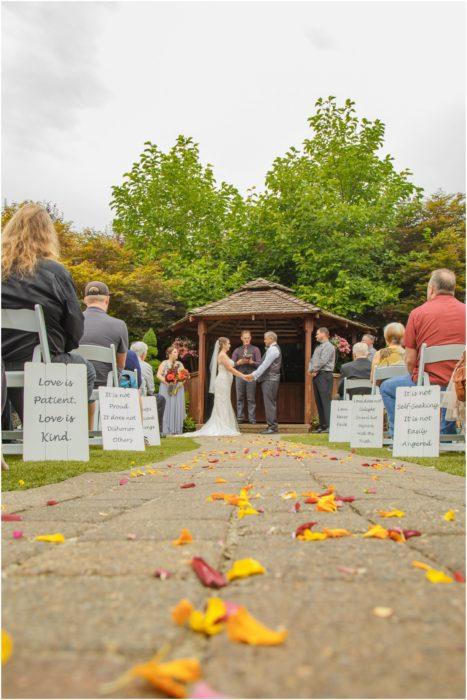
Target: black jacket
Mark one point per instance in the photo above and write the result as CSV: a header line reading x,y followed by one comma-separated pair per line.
x,y
358,369
50,286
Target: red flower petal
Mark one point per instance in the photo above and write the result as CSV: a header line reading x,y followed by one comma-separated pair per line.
x,y
52,503
459,576
162,574
297,507
333,459
311,500
207,575
212,461
122,482
11,517
346,499
365,464
411,533
188,486
306,526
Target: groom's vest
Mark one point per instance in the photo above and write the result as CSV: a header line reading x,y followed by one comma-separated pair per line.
x,y
273,372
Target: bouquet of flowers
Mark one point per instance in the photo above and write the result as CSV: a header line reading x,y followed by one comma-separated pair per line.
x,y
175,379
341,345
185,347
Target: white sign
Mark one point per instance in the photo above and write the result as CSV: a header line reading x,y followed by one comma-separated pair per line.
x,y
416,424
367,421
55,412
340,425
122,428
150,421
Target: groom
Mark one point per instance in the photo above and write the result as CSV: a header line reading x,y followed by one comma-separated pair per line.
x,y
269,374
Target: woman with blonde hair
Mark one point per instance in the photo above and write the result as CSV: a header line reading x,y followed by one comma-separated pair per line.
x,y
31,274
393,353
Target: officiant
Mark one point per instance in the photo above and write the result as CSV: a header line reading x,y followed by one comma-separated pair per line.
x,y
247,358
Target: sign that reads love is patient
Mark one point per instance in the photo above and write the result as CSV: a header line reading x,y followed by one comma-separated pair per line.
x,y
55,412
367,421
340,423
150,421
122,427
416,424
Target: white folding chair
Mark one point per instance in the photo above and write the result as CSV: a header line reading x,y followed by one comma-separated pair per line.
x,y
381,373
355,384
441,353
30,321
98,353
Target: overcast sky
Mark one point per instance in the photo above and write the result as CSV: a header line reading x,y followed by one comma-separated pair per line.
x,y
86,83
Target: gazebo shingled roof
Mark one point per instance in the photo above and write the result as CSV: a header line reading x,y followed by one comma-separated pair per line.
x,y
262,297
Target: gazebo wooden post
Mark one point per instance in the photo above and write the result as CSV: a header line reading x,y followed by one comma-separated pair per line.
x,y
201,368
309,325
354,336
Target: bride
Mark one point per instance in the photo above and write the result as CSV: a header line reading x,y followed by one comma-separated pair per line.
x,y
222,421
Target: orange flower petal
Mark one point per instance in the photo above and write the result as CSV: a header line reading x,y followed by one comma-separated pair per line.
x,y
182,611
185,537
243,627
377,531
336,532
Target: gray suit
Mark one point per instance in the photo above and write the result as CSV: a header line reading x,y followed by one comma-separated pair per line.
x,y
269,379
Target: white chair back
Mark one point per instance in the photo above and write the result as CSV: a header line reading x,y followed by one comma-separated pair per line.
x,y
98,353
436,353
355,384
31,321
381,373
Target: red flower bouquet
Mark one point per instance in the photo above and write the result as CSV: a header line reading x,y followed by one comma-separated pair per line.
x,y
175,379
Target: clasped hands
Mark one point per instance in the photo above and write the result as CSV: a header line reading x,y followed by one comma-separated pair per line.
x,y
248,378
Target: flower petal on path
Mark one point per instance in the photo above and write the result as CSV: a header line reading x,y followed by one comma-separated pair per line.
x,y
459,577
450,515
245,567
336,532
162,574
185,537
207,575
435,576
11,517
391,513
203,691
7,647
309,536
243,627
306,526
182,611
191,485
209,621
170,677
56,538
377,531
327,504
421,565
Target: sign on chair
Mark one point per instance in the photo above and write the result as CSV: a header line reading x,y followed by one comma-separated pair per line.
x,y
55,412
150,421
340,424
122,428
367,421
416,424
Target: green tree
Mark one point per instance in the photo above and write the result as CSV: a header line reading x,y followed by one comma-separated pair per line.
x,y
150,339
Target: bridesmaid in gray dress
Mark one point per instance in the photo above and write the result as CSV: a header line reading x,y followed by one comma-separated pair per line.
x,y
175,412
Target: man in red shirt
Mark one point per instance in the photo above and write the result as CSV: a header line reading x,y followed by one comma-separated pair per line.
x,y
439,321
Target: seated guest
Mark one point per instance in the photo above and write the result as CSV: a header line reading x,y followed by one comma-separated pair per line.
x,y
102,329
393,353
141,349
370,342
32,275
439,321
360,368
132,364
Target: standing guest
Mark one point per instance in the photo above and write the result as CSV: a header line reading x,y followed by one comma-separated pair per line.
x,y
439,321
269,374
247,358
32,275
370,341
174,394
359,368
321,368
141,349
393,353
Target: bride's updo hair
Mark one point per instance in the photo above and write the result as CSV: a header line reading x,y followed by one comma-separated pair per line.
x,y
222,342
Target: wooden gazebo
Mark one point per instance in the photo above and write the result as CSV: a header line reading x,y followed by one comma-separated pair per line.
x,y
259,306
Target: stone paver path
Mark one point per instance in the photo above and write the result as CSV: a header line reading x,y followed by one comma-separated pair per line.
x,y
81,613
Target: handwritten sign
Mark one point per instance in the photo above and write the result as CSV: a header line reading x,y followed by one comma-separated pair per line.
x,y
122,428
150,421
55,412
340,425
367,421
416,424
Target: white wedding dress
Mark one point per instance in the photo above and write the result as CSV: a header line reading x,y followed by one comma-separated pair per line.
x,y
222,421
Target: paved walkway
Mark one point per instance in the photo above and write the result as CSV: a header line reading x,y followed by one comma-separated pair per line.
x,y
83,612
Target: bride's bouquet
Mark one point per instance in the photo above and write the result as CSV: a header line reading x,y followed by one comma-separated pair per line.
x,y
175,380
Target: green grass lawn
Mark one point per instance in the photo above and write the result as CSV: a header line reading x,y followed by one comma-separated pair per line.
x,y
451,462
39,473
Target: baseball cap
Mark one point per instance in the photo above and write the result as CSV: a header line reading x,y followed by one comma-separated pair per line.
x,y
95,288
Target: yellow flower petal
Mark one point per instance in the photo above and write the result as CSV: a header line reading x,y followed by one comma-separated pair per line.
x,y
420,565
450,515
57,538
336,532
377,531
246,510
435,576
245,567
219,480
327,504
391,513
185,538
243,627
7,647
207,622
289,494
309,536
